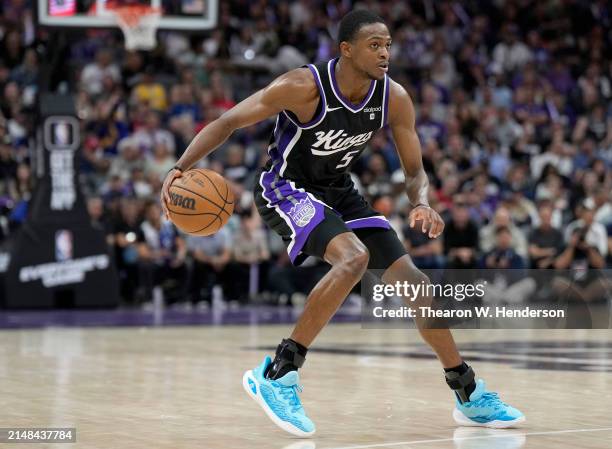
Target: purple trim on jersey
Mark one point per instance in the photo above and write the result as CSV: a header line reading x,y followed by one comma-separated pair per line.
x,y
284,132
386,101
300,233
273,147
342,98
285,138
322,102
368,222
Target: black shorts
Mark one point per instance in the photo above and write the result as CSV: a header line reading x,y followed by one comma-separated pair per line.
x,y
307,218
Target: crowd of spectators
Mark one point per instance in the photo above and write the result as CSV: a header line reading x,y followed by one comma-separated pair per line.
x,y
514,115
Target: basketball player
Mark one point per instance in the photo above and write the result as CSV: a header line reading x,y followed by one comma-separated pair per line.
x,y
325,115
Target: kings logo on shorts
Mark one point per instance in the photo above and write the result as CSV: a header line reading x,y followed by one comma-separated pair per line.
x,y
302,212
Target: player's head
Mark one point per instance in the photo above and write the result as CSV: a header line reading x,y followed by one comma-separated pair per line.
x,y
364,40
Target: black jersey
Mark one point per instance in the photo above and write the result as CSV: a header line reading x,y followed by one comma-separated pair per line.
x,y
322,151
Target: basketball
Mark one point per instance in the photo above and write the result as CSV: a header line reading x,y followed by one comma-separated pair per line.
x,y
201,202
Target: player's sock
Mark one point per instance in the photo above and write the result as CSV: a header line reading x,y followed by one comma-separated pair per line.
x,y
290,355
461,380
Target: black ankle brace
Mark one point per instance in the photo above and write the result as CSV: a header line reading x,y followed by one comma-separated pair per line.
x,y
290,355
459,382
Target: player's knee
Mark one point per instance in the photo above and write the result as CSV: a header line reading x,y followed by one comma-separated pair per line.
x,y
360,259
355,260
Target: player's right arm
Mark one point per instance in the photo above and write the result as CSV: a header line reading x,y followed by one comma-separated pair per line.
x,y
289,91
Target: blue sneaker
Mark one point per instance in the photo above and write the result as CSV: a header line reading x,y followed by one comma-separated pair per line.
x,y
279,399
485,409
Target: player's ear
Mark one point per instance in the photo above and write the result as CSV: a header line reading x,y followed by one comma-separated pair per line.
x,y
345,49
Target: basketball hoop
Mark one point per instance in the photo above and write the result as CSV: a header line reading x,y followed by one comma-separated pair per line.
x,y
138,24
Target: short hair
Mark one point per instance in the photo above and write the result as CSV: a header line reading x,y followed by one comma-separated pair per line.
x,y
352,22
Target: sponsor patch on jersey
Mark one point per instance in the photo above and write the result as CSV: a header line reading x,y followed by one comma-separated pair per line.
x,y
302,212
378,109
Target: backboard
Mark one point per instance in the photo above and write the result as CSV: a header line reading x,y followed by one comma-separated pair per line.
x,y
187,15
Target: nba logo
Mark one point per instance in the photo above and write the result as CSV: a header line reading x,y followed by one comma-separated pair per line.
x,y
63,245
372,115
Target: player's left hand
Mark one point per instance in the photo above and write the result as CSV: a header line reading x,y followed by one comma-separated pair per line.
x,y
431,222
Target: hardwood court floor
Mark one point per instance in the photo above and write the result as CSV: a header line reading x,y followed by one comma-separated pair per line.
x,y
180,387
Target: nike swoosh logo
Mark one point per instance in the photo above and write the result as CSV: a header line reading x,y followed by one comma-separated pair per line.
x,y
333,109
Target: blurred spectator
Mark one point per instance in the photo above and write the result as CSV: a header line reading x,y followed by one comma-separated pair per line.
x,y
249,249
149,91
511,53
503,256
502,218
8,165
183,103
26,73
151,133
93,74
585,252
508,282
425,252
586,241
603,205
129,159
376,177
235,168
507,130
545,241
133,65
594,126
210,256
560,77
427,127
159,163
521,209
11,47
450,186
161,252
95,208
461,237
125,232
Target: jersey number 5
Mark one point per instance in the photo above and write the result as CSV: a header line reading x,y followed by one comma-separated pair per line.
x,y
348,157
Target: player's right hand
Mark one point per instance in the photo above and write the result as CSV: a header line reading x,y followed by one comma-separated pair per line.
x,y
165,190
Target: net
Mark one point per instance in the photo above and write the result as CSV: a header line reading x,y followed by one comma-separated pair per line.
x,y
138,24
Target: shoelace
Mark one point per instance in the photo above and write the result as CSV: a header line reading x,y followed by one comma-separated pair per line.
x,y
488,399
290,394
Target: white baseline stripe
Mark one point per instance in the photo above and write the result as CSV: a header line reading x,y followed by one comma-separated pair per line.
x,y
504,435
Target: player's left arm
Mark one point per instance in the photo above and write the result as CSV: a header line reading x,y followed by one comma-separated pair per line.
x,y
402,123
